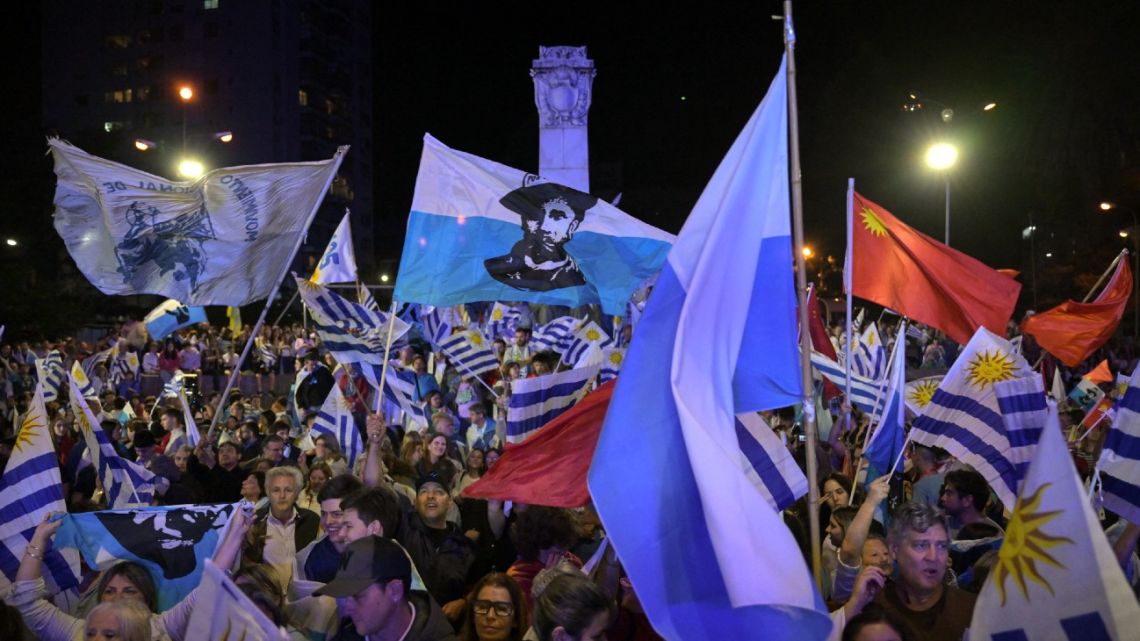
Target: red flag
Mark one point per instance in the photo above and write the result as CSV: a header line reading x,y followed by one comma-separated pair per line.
x,y
1071,331
1100,373
549,467
917,276
820,341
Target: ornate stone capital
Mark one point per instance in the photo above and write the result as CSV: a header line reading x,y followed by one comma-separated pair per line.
x,y
563,83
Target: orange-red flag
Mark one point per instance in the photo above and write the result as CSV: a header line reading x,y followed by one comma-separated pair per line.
x,y
917,276
1101,373
1071,331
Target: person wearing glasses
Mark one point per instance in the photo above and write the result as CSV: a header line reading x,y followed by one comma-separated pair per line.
x,y
497,611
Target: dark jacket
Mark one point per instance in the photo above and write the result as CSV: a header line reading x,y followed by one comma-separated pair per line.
x,y
444,568
429,624
314,388
304,532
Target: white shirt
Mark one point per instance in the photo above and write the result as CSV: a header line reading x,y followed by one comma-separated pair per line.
x,y
281,546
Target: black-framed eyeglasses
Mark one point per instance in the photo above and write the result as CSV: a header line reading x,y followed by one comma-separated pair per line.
x,y
500,608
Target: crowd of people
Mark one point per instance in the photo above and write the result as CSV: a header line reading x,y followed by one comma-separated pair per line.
x,y
390,549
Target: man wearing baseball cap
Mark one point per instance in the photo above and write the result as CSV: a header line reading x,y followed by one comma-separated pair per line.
x,y
372,588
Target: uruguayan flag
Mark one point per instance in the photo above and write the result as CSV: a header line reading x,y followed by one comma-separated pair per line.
x,y
886,443
482,231
171,316
399,388
172,543
126,483
333,309
587,336
30,488
338,263
612,358
920,391
51,373
534,402
502,321
470,352
869,396
964,418
223,239
768,462
1056,576
437,324
335,418
192,433
717,339
81,385
554,336
1024,411
222,611
364,297
1119,464
870,357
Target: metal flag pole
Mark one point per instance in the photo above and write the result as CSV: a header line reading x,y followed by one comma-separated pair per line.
x,y
286,308
848,264
801,291
340,152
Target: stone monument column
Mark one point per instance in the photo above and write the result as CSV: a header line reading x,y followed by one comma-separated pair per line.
x,y
563,82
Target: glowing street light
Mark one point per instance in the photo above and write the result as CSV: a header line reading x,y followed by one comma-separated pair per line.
x,y
190,168
808,252
11,242
142,144
989,106
941,156
186,93
383,278
1123,233
1107,206
224,136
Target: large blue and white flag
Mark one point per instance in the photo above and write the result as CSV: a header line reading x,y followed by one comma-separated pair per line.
x,y
223,239
1056,576
223,612
31,488
171,316
869,359
964,418
886,443
172,543
502,321
50,371
554,336
335,419
125,483
482,231
717,339
1024,412
534,402
769,462
1119,463
470,352
338,263
587,336
866,394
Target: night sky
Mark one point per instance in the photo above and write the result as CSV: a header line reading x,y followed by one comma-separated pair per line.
x,y
674,87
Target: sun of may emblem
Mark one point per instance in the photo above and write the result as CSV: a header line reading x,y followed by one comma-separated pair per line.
x,y
872,223
592,335
616,358
921,394
476,339
497,314
1026,545
28,429
988,368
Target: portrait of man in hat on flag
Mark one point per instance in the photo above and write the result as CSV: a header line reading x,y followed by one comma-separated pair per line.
x,y
550,214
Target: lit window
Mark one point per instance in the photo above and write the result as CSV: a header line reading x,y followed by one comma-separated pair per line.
x,y
303,98
142,94
209,4
117,41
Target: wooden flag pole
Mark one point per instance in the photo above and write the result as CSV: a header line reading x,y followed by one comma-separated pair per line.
x,y
801,291
269,301
848,264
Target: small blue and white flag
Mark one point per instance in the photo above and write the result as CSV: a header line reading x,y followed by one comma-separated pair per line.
x,y
554,336
587,336
1119,463
866,394
31,488
470,352
1056,576
502,321
870,357
612,358
172,543
481,231
400,388
534,402
964,418
125,483
437,323
717,339
886,443
330,308
338,263
335,419
768,462
50,371
171,316
364,297
82,385
1024,411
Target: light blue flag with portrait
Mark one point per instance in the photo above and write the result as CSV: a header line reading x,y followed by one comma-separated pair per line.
x,y
172,543
171,316
481,231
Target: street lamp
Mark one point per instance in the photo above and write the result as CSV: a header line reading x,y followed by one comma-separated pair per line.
x,y
190,168
186,93
941,157
808,251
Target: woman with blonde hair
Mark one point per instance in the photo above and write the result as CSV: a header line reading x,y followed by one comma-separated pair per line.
x,y
121,620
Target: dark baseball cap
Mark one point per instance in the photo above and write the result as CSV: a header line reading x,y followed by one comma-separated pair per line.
x,y
367,561
435,476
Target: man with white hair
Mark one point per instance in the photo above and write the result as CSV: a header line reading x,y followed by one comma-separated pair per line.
x,y
287,528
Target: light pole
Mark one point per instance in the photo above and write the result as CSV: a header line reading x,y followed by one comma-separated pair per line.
x,y
186,93
941,157
1132,233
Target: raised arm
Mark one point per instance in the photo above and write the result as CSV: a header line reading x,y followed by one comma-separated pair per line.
x,y
851,551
